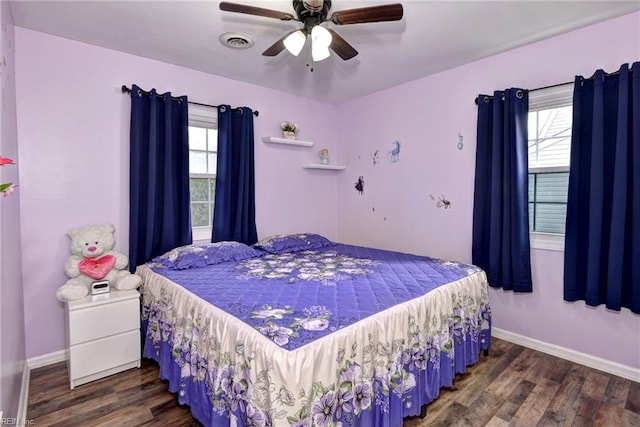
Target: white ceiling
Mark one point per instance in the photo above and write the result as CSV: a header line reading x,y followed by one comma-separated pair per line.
x,y
433,36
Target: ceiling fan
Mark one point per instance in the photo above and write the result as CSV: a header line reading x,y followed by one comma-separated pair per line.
x,y
312,13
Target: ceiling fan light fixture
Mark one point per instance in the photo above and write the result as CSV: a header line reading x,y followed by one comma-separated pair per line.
x,y
320,36
320,42
319,53
295,42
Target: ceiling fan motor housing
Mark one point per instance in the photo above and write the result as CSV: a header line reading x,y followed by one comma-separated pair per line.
x,y
314,5
310,13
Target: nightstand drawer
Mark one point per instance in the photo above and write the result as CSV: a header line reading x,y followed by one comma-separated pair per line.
x,y
101,355
103,320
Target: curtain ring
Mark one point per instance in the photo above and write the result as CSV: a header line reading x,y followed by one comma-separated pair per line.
x,y
240,111
486,99
519,94
139,93
222,108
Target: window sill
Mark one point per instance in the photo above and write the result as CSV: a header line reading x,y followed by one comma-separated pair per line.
x,y
201,234
547,241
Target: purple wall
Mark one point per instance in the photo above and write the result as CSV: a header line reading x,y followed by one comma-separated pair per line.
x,y
426,116
73,129
12,334
73,125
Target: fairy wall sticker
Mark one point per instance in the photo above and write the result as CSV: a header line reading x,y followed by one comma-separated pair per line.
x,y
375,157
360,185
441,202
394,155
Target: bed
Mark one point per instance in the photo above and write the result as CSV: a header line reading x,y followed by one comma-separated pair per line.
x,y
300,331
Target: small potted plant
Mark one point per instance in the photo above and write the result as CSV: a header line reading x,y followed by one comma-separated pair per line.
x,y
289,129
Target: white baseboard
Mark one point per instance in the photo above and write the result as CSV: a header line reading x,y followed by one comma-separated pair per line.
x,y
47,359
29,364
594,362
23,403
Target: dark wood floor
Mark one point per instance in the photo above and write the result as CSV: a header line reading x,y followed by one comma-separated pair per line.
x,y
513,386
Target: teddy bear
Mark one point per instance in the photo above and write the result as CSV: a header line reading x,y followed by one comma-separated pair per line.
x,y
93,259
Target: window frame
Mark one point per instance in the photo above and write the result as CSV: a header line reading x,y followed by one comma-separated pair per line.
x,y
202,117
543,99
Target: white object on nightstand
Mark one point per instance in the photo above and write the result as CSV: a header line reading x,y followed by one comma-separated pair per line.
x,y
103,335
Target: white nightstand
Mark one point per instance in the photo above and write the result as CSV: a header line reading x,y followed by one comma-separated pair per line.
x,y
103,335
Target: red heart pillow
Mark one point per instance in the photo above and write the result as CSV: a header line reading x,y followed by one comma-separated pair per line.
x,y
97,268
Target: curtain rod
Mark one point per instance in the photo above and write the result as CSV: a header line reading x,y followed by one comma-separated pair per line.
x,y
538,88
561,84
125,89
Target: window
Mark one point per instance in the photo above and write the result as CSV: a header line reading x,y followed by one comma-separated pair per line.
x,y
550,117
203,156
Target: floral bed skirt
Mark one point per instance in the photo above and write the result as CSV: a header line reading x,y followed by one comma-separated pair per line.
x,y
372,373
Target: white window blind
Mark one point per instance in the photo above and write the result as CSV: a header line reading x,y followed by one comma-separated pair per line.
x,y
550,125
203,157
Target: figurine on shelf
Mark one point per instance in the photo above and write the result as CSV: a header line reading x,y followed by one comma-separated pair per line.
x,y
324,156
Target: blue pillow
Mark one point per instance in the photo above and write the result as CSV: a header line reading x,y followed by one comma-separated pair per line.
x,y
282,243
203,254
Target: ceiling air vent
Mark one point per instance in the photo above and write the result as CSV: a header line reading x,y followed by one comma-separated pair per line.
x,y
236,40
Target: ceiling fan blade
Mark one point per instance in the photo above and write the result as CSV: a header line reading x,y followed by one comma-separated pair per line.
x,y
278,46
388,12
258,11
341,47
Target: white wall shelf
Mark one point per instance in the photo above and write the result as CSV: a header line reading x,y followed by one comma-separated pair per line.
x,y
325,167
283,141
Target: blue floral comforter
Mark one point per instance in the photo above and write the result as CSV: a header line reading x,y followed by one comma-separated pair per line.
x,y
341,334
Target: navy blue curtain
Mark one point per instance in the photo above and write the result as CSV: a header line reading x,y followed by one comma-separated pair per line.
x,y
500,208
159,215
234,216
602,242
